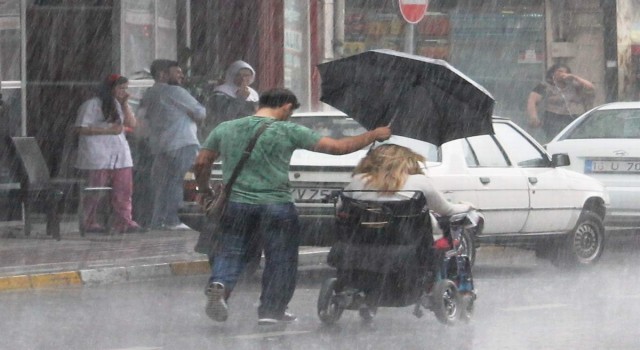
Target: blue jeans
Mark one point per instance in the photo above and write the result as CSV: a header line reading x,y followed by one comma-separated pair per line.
x,y
167,174
277,226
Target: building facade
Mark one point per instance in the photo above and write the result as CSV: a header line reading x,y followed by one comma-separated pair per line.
x,y
53,53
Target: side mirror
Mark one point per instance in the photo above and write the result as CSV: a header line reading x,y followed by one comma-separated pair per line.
x,y
561,159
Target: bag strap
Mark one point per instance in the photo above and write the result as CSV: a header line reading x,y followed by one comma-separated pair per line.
x,y
245,156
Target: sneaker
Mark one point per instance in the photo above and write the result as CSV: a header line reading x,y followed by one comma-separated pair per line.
x,y
178,227
287,317
216,308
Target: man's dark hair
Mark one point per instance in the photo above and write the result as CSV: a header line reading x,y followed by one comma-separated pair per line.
x,y
161,65
278,97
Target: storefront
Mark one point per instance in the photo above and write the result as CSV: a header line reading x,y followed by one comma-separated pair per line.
x,y
54,53
501,45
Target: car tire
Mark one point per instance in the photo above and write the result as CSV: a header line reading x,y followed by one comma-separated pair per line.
x,y
584,244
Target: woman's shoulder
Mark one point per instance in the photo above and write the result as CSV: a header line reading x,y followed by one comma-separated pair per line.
x,y
91,105
418,181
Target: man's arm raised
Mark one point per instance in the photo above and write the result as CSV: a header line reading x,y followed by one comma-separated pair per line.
x,y
352,143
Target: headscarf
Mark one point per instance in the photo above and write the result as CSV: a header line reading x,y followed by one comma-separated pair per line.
x,y
229,88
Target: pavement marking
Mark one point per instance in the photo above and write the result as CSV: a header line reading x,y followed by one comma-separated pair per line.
x,y
315,251
186,268
55,279
269,334
534,307
104,275
139,348
15,282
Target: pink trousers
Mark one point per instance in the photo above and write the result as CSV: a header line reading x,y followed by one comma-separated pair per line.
x,y
121,182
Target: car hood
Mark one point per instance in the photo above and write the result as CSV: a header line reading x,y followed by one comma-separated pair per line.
x,y
600,148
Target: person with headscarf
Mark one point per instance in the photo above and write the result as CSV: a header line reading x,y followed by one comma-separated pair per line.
x,y
103,152
233,99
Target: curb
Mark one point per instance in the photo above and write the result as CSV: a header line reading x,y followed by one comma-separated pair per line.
x,y
308,260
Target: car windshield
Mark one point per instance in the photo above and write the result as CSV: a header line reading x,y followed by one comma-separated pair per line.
x,y
608,124
331,126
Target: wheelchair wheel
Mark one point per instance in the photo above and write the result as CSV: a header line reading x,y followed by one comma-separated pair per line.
x,y
446,302
329,311
468,246
466,304
367,313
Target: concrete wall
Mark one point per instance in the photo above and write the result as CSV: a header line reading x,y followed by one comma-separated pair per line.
x,y
578,23
628,19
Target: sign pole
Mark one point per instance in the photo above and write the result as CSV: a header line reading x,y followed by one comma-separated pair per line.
x,y
412,11
409,38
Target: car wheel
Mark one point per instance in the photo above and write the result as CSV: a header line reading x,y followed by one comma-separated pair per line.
x,y
446,302
329,310
584,244
468,247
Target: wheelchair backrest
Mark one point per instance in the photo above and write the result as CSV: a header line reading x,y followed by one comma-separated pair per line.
x,y
383,221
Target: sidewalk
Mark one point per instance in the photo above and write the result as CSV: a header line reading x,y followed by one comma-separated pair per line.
x,y
38,261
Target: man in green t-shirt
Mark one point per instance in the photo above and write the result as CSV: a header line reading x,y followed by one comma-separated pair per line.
x,y
260,205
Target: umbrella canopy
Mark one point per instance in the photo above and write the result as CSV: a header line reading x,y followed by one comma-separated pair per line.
x,y
422,98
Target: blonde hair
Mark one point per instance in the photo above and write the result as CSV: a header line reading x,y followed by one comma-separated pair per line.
x,y
387,167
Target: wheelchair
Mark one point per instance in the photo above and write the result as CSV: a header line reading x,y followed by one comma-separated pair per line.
x,y
384,256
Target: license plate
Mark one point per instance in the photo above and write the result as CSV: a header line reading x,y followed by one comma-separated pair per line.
x,y
612,166
310,194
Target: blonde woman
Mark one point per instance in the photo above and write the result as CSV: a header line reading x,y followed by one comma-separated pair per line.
x,y
397,173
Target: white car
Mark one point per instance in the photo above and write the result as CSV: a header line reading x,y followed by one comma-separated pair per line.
x,y
527,201
604,143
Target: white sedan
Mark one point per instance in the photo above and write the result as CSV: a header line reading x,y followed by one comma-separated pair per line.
x,y
527,200
604,143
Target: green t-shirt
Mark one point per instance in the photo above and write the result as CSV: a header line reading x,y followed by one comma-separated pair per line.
x,y
264,179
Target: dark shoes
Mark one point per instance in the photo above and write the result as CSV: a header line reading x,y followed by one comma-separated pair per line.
x,y
284,318
216,308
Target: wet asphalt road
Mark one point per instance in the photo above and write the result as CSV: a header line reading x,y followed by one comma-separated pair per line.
x,y
524,303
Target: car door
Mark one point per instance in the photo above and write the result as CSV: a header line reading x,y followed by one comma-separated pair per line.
x,y
502,191
550,199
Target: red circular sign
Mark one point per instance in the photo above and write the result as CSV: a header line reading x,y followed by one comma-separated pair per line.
x,y
413,10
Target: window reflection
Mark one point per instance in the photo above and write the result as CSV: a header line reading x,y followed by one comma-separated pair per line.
x,y
149,32
10,40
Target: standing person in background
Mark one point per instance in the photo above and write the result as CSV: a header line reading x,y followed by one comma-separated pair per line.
x,y
563,96
171,114
103,151
233,99
260,204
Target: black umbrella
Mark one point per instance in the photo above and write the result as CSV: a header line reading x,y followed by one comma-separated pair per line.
x,y
422,98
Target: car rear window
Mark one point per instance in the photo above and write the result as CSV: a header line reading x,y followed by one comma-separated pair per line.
x,y
608,124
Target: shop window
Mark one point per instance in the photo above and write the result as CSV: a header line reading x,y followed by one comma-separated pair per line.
x,y
379,25
10,40
296,50
149,31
